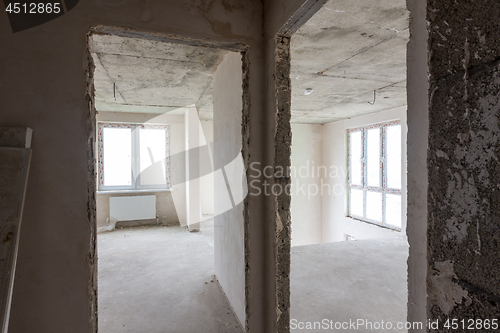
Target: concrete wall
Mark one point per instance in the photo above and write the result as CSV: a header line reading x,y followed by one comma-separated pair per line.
x,y
44,86
335,222
418,133
228,226
306,202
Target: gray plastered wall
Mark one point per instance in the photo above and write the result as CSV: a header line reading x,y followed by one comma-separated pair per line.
x,y
45,74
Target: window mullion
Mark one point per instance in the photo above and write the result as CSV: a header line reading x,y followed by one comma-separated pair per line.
x,y
349,172
138,156
364,172
383,162
135,153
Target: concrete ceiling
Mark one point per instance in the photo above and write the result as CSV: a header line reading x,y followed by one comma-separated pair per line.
x,y
153,77
344,53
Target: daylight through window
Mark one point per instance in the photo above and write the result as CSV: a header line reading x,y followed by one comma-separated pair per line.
x,y
133,156
374,179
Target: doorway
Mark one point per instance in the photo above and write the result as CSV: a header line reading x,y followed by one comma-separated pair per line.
x,y
348,160
164,113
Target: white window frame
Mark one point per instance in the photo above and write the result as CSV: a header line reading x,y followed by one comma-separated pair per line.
x,y
135,152
383,173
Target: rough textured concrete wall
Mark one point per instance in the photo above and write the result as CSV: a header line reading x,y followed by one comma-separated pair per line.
x,y
282,161
91,259
245,152
42,74
464,160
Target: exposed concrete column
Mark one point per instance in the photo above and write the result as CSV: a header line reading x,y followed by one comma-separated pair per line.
x,y
418,123
193,186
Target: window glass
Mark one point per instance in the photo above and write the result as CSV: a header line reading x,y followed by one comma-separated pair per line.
x,y
373,157
356,154
394,156
375,153
374,206
393,210
117,156
356,203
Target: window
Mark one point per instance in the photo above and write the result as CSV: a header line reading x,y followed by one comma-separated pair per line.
x,y
133,156
374,177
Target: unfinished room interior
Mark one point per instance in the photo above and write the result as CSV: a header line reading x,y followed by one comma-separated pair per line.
x,y
204,110
156,195
348,162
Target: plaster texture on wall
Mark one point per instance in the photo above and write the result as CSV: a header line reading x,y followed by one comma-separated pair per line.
x,y
43,86
91,185
335,222
282,161
207,181
306,203
464,161
229,237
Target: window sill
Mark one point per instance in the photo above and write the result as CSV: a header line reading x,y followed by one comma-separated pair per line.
x,y
385,226
134,191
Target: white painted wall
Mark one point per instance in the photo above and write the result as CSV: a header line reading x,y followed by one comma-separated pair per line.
x,y
334,210
306,196
207,182
229,226
192,130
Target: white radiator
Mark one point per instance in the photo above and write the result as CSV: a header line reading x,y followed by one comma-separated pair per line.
x,y
134,208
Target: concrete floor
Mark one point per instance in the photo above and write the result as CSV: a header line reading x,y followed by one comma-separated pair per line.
x,y
343,281
157,279
160,280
